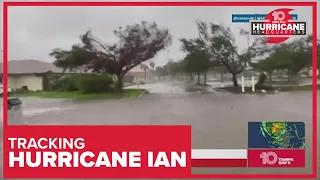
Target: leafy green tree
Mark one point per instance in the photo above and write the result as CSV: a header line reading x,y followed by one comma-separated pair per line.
x,y
219,42
180,69
136,43
197,62
307,42
159,72
172,68
221,69
291,58
186,69
268,65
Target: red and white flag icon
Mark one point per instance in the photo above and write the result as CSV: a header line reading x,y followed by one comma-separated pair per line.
x,y
219,157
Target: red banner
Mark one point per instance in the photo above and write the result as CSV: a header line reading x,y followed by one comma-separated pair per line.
x,y
97,152
285,158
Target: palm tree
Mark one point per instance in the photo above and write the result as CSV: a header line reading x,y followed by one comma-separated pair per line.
x,y
152,65
144,68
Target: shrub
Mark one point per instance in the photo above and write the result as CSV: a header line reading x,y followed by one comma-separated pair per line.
x,y
63,83
86,83
262,79
94,83
69,84
53,82
262,83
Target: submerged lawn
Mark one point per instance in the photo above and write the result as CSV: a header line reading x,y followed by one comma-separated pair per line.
x,y
78,95
248,90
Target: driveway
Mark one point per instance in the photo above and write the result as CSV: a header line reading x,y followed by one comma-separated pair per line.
x,y
219,120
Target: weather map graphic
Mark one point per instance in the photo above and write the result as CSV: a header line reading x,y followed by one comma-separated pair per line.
x,y
276,135
276,144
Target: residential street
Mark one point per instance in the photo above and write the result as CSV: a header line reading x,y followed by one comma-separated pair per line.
x,y
219,120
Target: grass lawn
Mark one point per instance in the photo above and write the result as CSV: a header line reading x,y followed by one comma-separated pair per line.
x,y
79,96
298,88
248,90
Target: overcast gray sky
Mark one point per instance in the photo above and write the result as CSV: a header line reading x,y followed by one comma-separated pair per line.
x,y
35,31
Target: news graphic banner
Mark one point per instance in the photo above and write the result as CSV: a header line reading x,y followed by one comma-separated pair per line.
x,y
276,144
246,18
142,151
219,158
97,151
278,26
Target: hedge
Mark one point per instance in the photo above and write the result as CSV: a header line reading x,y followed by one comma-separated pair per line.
x,y
85,83
94,83
63,83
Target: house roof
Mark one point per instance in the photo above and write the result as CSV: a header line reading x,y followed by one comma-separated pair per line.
x,y
30,66
137,69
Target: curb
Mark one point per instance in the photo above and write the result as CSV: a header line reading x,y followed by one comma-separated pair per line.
x,y
219,90
144,92
249,93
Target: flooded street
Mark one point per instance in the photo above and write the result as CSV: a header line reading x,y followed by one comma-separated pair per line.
x,y
218,120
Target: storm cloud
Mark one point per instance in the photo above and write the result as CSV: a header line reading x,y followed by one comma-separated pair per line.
x,y
35,31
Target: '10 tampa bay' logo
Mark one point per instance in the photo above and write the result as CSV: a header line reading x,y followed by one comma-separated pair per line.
x,y
271,158
278,26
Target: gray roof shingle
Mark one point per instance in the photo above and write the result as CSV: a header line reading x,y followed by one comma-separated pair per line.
x,y
30,66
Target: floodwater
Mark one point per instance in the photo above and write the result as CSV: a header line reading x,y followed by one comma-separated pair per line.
x,y
218,120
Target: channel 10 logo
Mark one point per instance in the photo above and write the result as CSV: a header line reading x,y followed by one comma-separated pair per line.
x,y
271,158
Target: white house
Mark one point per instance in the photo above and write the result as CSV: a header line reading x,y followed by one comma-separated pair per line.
x,y
31,73
28,73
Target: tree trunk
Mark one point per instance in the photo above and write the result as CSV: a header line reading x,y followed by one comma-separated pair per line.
x,y
191,76
235,80
270,76
119,84
288,74
145,75
198,78
221,77
205,78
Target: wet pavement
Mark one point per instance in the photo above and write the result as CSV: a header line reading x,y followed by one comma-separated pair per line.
x,y
218,120
33,106
168,89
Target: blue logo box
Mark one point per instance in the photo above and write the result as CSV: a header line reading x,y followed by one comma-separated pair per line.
x,y
243,18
